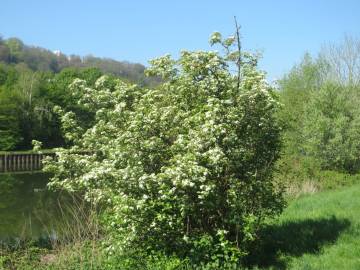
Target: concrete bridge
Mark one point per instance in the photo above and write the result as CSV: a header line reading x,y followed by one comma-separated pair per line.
x,y
21,162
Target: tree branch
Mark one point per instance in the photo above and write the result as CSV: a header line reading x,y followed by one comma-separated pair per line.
x,y
239,61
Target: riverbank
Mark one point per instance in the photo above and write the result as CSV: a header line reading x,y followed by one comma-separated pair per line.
x,y
318,231
28,209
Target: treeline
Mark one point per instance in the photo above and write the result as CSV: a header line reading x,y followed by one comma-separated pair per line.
x,y
14,51
320,97
27,99
33,80
321,114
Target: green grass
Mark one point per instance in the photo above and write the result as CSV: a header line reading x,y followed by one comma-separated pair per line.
x,y
320,231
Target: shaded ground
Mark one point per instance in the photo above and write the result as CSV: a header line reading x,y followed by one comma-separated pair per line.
x,y
295,239
320,231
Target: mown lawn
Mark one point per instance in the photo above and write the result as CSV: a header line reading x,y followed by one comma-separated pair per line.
x,y
320,231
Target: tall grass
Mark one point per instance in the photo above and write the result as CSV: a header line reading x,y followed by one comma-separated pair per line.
x,y
70,242
317,231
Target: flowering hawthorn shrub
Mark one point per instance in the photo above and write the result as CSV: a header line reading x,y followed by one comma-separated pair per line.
x,y
185,168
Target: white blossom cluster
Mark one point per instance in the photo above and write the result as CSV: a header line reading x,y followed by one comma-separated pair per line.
x,y
192,156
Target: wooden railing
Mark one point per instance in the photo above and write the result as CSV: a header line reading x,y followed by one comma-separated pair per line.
x,y
16,162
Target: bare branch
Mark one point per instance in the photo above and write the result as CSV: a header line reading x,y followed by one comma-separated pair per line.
x,y
239,61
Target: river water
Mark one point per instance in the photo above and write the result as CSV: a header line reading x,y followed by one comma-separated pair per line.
x,y
28,210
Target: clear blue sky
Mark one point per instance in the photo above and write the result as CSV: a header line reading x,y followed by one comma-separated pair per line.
x,y
140,30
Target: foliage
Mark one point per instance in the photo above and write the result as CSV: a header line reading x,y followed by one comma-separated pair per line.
x,y
330,180
320,110
14,51
33,80
323,228
27,99
332,128
184,168
303,175
296,88
26,259
10,135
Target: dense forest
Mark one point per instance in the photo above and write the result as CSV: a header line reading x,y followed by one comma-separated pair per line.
x,y
33,80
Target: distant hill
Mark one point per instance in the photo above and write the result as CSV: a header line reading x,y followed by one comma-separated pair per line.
x,y
14,51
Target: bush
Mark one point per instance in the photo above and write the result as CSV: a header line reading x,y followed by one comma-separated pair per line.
x,y
331,131
333,179
184,169
302,175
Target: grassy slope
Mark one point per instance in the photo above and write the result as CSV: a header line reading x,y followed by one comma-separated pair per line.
x,y
319,231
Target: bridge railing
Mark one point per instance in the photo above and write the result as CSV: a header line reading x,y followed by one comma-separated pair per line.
x,y
17,162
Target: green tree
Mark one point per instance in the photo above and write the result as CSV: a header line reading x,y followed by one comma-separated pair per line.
x,y
60,94
34,107
296,89
16,47
26,90
185,168
10,135
4,52
332,128
320,112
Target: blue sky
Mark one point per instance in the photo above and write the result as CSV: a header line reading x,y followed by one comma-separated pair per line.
x,y
140,30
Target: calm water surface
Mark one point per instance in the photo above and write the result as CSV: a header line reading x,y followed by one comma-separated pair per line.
x,y
28,210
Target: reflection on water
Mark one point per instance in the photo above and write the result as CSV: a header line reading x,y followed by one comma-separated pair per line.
x,y
27,209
